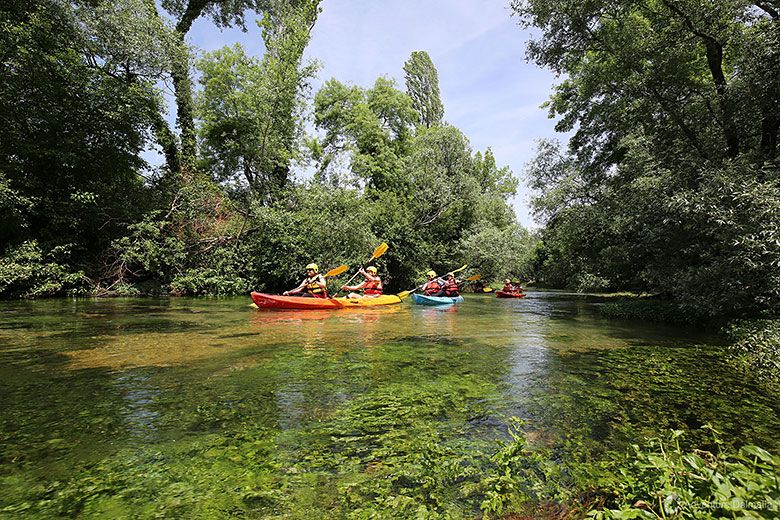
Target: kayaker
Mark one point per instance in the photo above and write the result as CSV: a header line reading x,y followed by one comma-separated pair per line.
x,y
517,287
313,286
508,287
372,285
451,286
434,286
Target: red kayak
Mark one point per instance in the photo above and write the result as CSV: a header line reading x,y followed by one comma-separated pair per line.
x,y
502,294
273,301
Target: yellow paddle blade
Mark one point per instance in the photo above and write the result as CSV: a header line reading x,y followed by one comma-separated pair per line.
x,y
254,305
379,251
475,277
404,294
458,270
333,272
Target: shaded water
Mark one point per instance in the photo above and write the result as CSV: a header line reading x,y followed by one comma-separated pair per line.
x,y
207,408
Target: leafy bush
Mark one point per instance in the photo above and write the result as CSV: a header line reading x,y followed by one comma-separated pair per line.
x,y
665,482
27,271
653,309
757,345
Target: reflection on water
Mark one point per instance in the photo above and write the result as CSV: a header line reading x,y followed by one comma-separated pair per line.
x,y
93,390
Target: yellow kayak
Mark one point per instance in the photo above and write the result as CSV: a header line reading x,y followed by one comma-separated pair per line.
x,y
273,301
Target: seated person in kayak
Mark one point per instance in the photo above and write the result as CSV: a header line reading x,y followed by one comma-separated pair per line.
x,y
508,287
372,285
517,287
434,286
313,286
478,286
451,288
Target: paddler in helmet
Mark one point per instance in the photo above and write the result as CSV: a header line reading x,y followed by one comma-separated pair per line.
x,y
507,286
313,286
372,285
434,286
451,285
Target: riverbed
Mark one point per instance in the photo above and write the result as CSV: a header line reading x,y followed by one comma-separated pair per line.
x,y
209,408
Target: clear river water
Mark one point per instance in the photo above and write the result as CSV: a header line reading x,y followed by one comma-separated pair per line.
x,y
209,408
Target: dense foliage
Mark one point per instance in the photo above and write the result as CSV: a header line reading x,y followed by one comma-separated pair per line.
x,y
670,181
81,99
665,481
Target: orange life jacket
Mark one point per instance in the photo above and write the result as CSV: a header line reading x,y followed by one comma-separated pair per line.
x,y
432,287
451,287
373,287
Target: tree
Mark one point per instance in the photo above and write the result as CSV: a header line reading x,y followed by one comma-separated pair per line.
x,y
667,68
422,85
75,116
224,13
373,127
251,112
662,98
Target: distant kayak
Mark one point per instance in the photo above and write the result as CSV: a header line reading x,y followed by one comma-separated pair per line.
x,y
273,301
421,299
502,294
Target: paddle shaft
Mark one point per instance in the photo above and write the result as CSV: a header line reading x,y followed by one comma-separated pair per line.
x,y
379,251
354,275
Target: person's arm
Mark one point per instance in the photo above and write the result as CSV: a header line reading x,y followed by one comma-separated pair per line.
x,y
296,290
354,287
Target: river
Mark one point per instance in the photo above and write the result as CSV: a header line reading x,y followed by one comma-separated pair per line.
x,y
209,408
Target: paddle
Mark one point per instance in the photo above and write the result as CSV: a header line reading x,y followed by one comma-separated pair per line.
x,y
379,251
333,272
404,294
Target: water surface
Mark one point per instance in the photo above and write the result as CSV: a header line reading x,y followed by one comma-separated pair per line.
x,y
208,408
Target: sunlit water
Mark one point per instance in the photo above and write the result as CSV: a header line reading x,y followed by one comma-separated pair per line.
x,y
208,408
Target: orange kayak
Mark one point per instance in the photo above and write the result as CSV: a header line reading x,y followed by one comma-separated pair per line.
x,y
502,294
273,301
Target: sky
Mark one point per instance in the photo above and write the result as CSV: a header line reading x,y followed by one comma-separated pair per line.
x,y
488,89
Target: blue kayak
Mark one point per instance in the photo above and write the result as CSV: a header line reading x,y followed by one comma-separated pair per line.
x,y
421,299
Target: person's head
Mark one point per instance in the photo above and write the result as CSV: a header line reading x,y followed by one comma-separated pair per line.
x,y
517,282
312,269
449,276
371,269
507,281
431,274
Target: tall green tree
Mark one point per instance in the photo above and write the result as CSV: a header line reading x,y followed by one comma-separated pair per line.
x,y
372,128
251,111
422,85
701,79
75,110
223,13
662,101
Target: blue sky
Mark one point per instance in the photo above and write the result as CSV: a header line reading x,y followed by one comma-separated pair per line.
x,y
489,91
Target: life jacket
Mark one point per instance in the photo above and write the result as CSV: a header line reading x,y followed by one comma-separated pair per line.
x,y
451,287
314,289
508,288
373,287
432,287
